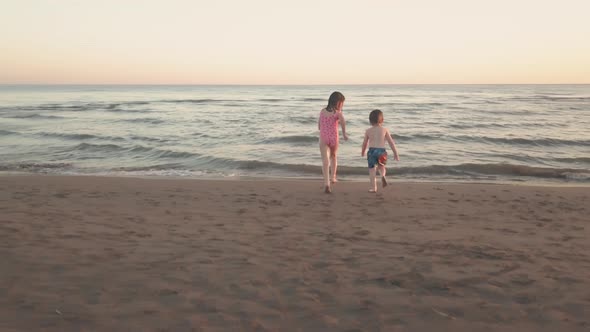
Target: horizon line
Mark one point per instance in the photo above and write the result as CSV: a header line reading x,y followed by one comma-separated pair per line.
x,y
269,84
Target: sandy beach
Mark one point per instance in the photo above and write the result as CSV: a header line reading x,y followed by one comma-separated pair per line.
x,y
129,254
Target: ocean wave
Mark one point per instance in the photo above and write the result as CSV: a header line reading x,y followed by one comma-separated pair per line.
x,y
136,102
549,97
265,165
195,101
416,137
148,139
295,139
313,99
105,151
85,106
92,106
143,120
574,160
156,153
158,172
272,100
494,140
34,167
148,153
7,132
118,104
303,119
475,125
33,116
564,98
60,107
517,125
89,147
526,141
387,96
468,170
115,108
202,135
155,167
78,136
465,171
174,154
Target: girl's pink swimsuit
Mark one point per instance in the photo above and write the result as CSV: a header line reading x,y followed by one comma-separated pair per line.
x,y
329,128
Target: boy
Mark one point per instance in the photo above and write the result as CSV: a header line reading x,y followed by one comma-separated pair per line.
x,y
375,138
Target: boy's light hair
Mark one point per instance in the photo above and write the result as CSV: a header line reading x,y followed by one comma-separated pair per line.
x,y
376,117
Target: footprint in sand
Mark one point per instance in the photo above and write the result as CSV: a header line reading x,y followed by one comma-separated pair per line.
x,y
522,280
362,232
508,231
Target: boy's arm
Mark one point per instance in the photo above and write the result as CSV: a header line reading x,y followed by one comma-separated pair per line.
x,y
365,142
343,124
392,145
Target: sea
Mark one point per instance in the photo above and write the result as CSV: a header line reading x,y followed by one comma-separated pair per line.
x,y
456,133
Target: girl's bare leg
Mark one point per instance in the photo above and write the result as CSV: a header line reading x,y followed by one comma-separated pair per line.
x,y
333,163
325,153
372,180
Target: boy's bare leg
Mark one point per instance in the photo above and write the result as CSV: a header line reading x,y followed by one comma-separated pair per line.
x,y
382,171
372,180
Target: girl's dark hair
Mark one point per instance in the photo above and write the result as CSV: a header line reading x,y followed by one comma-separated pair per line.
x,y
335,98
375,116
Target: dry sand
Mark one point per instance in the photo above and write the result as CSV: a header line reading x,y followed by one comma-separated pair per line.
x,y
124,254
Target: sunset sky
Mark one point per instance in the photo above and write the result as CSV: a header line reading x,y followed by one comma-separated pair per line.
x,y
294,42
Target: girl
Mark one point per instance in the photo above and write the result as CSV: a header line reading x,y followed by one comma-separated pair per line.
x,y
328,126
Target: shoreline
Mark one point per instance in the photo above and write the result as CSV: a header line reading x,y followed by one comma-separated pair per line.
x,y
110,253
345,179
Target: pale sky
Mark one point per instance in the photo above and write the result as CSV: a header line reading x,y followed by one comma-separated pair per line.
x,y
294,42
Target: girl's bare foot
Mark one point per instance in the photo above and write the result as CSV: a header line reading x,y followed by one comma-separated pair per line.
x,y
333,181
327,190
383,182
373,190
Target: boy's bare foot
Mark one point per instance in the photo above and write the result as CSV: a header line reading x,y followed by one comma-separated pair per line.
x,y
383,182
372,191
327,190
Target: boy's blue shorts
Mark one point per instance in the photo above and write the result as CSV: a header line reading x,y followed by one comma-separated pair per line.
x,y
376,156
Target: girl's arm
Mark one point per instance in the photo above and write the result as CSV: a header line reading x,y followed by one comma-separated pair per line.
x,y
365,142
319,117
343,125
392,145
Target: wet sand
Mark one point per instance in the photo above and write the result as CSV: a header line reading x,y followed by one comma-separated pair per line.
x,y
125,254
